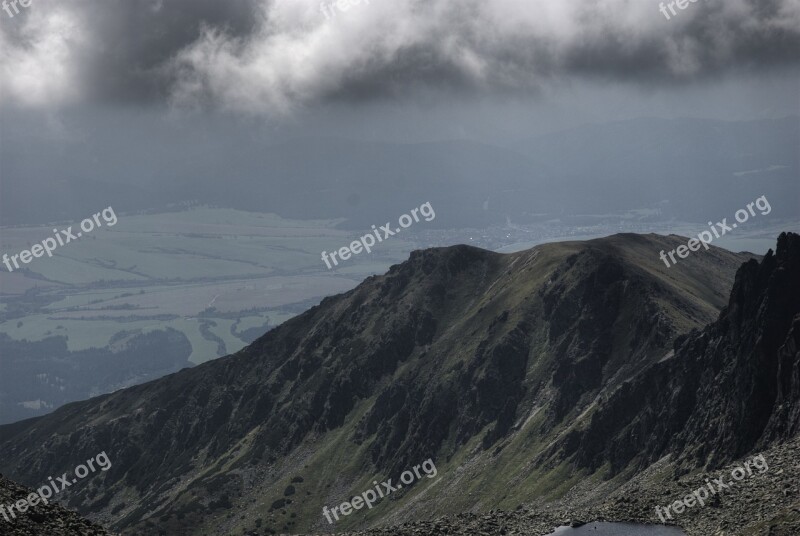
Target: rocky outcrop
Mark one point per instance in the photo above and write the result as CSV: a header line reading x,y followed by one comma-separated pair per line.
x,y
724,391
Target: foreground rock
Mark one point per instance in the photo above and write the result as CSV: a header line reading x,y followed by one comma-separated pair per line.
x,y
42,520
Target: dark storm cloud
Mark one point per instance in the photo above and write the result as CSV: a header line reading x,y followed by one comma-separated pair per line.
x,y
109,50
272,56
139,36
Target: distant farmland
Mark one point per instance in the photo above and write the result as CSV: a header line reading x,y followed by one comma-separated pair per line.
x,y
219,277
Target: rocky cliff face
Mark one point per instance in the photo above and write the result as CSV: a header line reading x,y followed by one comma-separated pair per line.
x,y
723,391
493,365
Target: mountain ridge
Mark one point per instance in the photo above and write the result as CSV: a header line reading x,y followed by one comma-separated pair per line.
x,y
457,353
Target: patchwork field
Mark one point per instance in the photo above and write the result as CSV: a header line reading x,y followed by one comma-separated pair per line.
x,y
169,269
218,277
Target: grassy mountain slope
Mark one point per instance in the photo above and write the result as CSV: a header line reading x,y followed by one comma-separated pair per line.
x,y
485,363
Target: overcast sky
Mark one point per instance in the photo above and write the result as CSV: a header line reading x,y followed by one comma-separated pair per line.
x,y
174,98
279,58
